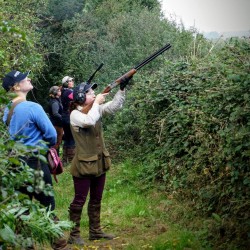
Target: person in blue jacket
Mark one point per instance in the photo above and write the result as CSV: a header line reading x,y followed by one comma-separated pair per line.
x,y
30,125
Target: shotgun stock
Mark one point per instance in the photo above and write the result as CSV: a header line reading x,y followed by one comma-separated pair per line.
x,y
130,73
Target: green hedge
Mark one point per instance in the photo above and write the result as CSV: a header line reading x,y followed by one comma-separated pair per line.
x,y
190,127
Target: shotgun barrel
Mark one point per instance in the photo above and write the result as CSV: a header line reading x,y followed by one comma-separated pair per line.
x,y
152,57
90,79
129,74
134,70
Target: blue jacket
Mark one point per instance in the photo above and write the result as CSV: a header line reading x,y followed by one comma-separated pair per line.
x,y
30,125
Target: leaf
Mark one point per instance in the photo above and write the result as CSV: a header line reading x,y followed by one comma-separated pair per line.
x,y
7,234
216,217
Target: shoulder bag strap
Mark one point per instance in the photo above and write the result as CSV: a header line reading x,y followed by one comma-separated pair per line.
x,y
12,109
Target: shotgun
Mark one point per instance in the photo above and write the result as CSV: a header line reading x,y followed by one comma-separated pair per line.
x,y
129,74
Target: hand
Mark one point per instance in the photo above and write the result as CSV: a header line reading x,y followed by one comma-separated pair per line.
x,y
124,82
100,98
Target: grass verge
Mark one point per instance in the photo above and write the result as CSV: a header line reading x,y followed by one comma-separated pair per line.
x,y
140,215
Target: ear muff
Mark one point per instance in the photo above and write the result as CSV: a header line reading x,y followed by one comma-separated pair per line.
x,y
80,95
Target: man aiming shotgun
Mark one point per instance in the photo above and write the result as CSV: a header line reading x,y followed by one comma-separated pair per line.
x,y
92,159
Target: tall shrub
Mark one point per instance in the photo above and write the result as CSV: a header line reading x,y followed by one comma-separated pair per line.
x,y
194,135
22,222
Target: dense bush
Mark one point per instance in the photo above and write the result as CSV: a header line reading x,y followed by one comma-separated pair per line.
x,y
19,43
186,116
22,221
191,126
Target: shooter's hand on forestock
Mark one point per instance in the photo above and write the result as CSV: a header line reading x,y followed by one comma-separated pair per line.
x,y
125,80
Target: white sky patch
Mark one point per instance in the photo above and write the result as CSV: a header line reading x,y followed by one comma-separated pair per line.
x,y
210,15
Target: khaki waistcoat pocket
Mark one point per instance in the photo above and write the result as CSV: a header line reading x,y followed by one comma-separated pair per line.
x,y
107,160
87,165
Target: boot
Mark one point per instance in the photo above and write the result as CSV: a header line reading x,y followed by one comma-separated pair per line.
x,y
95,232
65,156
59,243
75,213
70,153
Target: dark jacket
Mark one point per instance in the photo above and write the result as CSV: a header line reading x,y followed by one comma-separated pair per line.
x,y
55,111
65,103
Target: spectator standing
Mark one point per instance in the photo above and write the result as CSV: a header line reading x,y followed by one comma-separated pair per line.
x,y
55,114
69,143
30,125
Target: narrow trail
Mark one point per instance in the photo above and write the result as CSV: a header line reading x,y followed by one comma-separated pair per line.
x,y
141,217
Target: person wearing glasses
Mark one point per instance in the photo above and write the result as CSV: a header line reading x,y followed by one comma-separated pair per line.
x,y
92,159
55,114
69,143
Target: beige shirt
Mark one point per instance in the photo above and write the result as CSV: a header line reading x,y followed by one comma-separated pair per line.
x,y
82,120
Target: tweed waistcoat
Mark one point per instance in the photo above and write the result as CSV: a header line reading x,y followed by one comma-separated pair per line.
x,y
92,157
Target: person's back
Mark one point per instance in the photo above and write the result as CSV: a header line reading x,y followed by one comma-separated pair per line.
x,y
66,103
55,109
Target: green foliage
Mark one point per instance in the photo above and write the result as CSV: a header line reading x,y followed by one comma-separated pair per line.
x,y
129,207
106,31
19,42
192,131
22,221
174,240
186,117
60,10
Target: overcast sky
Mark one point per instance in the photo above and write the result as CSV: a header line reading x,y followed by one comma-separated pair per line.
x,y
210,15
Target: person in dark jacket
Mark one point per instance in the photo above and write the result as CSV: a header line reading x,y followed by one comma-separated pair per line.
x,y
55,114
69,143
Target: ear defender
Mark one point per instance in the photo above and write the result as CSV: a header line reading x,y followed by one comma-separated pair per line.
x,y
81,94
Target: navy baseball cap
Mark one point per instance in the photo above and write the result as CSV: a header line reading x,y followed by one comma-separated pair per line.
x,y
12,78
